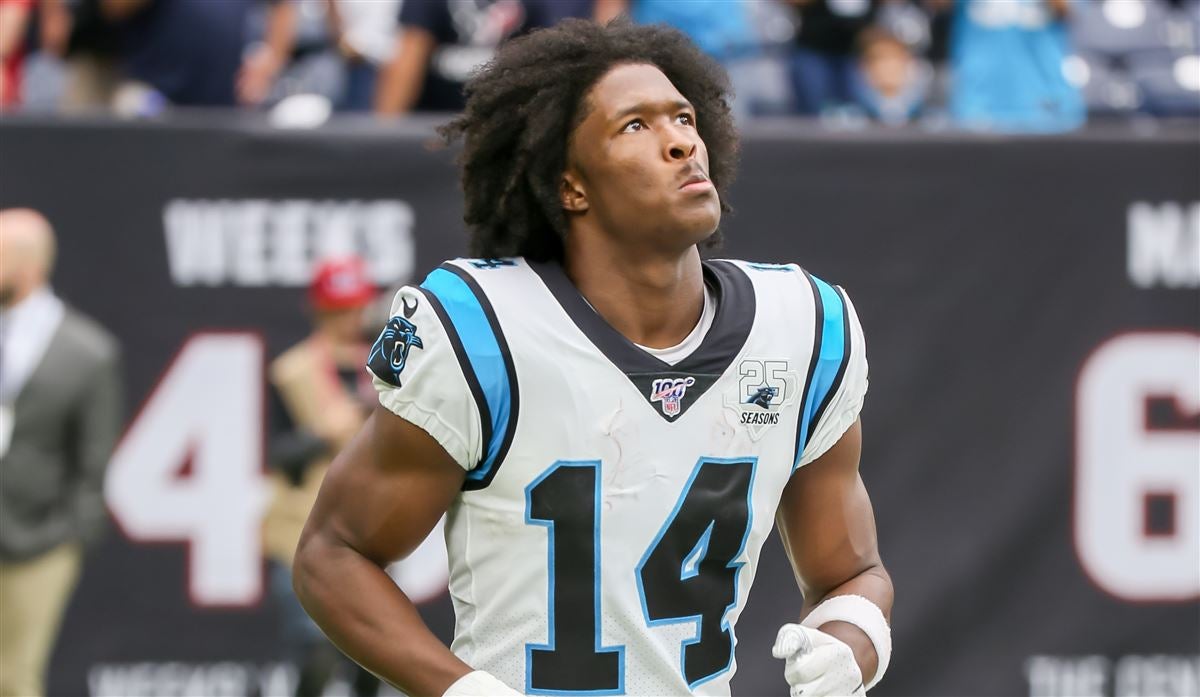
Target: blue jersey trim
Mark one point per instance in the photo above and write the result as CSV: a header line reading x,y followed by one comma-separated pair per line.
x,y
690,568
831,353
484,358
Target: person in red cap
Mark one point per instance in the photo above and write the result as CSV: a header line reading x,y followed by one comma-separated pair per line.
x,y
320,397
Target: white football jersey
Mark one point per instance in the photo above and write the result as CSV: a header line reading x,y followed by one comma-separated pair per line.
x,y
615,506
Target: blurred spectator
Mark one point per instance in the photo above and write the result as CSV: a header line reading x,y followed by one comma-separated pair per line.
x,y
1007,66
195,52
727,30
60,413
80,33
442,41
938,53
321,396
182,52
721,28
364,33
314,67
896,83
14,20
823,67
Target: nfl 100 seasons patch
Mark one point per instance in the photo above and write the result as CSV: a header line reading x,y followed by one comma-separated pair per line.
x,y
669,393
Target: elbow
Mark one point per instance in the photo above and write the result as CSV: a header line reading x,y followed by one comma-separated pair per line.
x,y
884,589
304,569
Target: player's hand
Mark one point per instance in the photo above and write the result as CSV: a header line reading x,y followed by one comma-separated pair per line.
x,y
817,664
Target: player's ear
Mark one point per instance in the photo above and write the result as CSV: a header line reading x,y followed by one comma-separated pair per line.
x,y
570,192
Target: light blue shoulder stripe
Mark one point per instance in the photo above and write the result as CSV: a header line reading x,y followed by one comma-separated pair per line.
x,y
832,353
487,360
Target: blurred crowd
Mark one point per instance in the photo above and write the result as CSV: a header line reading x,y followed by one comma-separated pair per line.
x,y
1009,65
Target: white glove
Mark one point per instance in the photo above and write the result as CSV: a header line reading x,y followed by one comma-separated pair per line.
x,y
480,684
817,664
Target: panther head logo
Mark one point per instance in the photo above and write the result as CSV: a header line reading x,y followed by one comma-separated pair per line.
x,y
763,397
390,352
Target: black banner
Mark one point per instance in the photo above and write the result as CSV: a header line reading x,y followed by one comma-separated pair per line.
x,y
1032,431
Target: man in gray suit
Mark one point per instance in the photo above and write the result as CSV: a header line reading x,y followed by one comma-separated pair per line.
x,y
60,413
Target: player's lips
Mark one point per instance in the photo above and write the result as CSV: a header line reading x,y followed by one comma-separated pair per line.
x,y
696,180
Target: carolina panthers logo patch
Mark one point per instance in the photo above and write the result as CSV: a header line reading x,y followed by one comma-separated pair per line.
x,y
390,352
763,396
764,389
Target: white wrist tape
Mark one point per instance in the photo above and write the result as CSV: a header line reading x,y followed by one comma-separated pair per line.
x,y
861,613
479,684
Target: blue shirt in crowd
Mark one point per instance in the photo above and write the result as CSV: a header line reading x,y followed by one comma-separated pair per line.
x,y
720,28
1007,62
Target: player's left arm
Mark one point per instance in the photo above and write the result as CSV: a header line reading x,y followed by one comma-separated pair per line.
x,y
828,530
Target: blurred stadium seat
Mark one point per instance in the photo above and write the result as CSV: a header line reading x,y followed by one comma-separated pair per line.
x,y
1169,84
1116,28
1107,90
1137,55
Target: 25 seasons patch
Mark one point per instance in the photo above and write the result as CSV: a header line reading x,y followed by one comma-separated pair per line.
x,y
765,387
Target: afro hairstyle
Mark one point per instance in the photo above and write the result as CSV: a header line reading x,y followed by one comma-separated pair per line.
x,y
523,106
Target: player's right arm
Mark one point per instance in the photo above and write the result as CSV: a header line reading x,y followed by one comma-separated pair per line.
x,y
389,487
382,496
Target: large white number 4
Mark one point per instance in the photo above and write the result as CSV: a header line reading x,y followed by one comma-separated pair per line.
x,y
205,415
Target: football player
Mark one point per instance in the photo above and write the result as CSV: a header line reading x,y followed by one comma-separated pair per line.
x,y
613,425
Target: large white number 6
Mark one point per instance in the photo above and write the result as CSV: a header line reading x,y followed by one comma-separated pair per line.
x,y
205,413
1128,469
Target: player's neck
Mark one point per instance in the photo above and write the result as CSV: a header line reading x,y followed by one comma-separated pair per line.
x,y
653,301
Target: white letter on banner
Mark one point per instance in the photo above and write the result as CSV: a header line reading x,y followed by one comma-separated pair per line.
x,y
390,247
205,415
289,262
1164,245
334,229
195,245
246,227
1127,469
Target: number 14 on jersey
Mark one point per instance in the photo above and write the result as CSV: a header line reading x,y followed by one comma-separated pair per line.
x,y
687,574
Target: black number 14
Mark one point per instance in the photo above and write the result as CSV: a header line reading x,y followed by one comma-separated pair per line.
x,y
688,574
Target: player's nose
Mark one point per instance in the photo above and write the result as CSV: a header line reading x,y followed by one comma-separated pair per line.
x,y
679,144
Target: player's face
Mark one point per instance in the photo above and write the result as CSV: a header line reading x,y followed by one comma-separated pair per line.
x,y
640,164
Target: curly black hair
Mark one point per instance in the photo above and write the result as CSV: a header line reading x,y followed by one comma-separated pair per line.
x,y
524,104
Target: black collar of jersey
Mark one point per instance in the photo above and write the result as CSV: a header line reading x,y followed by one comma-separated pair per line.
x,y
733,293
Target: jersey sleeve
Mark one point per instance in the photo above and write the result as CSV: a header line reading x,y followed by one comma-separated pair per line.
x,y
843,368
417,372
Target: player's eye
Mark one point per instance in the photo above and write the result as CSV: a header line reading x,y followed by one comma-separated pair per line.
x,y
686,119
634,125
